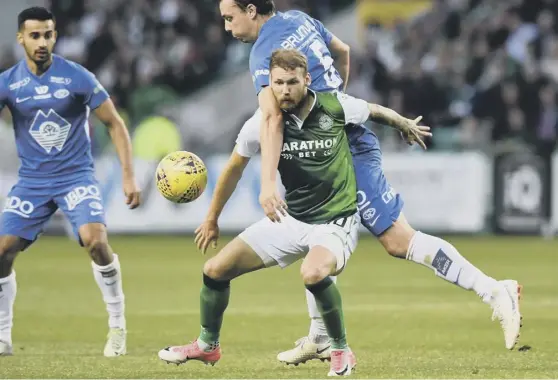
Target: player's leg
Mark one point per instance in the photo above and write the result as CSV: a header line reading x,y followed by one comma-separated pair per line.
x,y
24,214
82,204
10,246
235,259
402,241
263,244
381,213
316,344
330,247
317,333
108,276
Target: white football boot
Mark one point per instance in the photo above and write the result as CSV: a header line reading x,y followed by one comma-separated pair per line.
x,y
116,343
305,350
505,305
5,349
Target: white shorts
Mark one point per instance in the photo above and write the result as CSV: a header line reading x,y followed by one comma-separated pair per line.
x,y
286,242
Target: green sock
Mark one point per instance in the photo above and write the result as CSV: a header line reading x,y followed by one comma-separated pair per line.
x,y
213,302
330,305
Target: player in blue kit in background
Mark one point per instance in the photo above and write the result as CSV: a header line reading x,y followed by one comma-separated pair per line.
x,y
379,205
50,99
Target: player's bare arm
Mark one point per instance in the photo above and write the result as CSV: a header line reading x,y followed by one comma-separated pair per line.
x,y
121,139
271,140
342,56
410,130
208,232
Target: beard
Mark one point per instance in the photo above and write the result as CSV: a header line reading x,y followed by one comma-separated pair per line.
x,y
39,56
287,105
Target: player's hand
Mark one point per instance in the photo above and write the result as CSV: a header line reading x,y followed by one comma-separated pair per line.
x,y
272,203
207,234
413,133
132,193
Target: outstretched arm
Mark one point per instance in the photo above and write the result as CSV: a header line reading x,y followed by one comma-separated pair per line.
x,y
226,184
410,130
208,232
271,141
358,111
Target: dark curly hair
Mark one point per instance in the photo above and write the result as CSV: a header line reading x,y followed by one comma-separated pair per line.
x,y
263,7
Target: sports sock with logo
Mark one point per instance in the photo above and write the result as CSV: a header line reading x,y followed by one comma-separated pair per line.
x,y
328,300
445,260
109,280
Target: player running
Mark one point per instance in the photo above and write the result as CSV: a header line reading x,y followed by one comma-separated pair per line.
x,y
321,226
379,205
50,99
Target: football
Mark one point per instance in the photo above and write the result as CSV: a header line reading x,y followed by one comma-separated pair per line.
x,y
181,177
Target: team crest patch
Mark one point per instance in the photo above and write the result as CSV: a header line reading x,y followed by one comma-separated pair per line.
x,y
325,122
50,130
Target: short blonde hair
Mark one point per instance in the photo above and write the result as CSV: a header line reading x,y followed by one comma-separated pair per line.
x,y
288,59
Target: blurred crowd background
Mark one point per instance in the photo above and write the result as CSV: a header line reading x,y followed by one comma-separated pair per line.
x,y
482,73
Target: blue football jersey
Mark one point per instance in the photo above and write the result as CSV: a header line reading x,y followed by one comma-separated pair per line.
x,y
295,30
50,116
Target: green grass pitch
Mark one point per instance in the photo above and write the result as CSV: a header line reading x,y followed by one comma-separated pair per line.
x,y
402,321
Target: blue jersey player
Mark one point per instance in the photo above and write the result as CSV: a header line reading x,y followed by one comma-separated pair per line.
x,y
379,205
50,99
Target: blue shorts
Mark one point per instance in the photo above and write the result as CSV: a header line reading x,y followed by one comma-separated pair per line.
x,y
379,205
28,208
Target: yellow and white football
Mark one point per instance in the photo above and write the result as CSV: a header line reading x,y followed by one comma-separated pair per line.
x,y
181,177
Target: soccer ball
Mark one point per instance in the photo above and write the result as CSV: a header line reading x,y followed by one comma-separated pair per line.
x,y
181,177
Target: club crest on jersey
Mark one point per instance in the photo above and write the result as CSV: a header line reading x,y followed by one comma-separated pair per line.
x,y
61,94
325,122
50,130
41,90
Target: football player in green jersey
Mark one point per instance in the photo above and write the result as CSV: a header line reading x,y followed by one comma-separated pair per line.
x,y
320,225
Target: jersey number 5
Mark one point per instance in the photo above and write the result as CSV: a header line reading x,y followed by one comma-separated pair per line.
x,y
331,76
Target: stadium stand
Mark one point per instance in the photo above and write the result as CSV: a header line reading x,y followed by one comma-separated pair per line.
x,y
479,71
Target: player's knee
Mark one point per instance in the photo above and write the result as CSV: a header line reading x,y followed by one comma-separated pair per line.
x,y
396,248
216,269
397,238
7,256
98,249
9,248
312,274
4,248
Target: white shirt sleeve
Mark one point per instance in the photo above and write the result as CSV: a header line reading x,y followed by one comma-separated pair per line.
x,y
248,140
356,110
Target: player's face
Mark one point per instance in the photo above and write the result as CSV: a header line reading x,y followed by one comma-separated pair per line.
x,y
38,39
240,23
289,86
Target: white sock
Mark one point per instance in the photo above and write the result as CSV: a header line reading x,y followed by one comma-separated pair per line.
x,y
8,291
109,280
318,331
445,260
